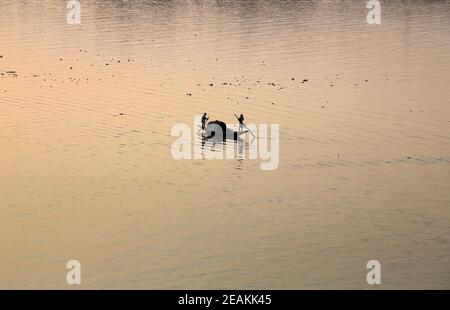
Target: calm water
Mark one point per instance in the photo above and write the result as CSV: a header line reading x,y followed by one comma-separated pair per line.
x,y
86,165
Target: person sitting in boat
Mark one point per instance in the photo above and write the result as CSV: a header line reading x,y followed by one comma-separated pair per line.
x,y
205,118
241,122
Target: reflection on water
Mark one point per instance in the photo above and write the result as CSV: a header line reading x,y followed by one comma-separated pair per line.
x,y
228,149
85,119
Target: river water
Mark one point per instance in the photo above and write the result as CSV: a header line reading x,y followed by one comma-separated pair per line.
x,y
87,172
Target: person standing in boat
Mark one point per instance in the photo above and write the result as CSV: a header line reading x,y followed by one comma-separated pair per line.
x,y
205,118
241,122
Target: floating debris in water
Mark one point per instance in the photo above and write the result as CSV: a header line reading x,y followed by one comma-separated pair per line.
x,y
10,73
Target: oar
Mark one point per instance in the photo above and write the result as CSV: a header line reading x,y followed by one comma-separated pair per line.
x,y
246,127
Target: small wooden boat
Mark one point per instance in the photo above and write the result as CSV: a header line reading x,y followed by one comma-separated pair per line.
x,y
218,130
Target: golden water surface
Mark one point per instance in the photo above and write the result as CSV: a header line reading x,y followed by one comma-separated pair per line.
x,y
86,113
